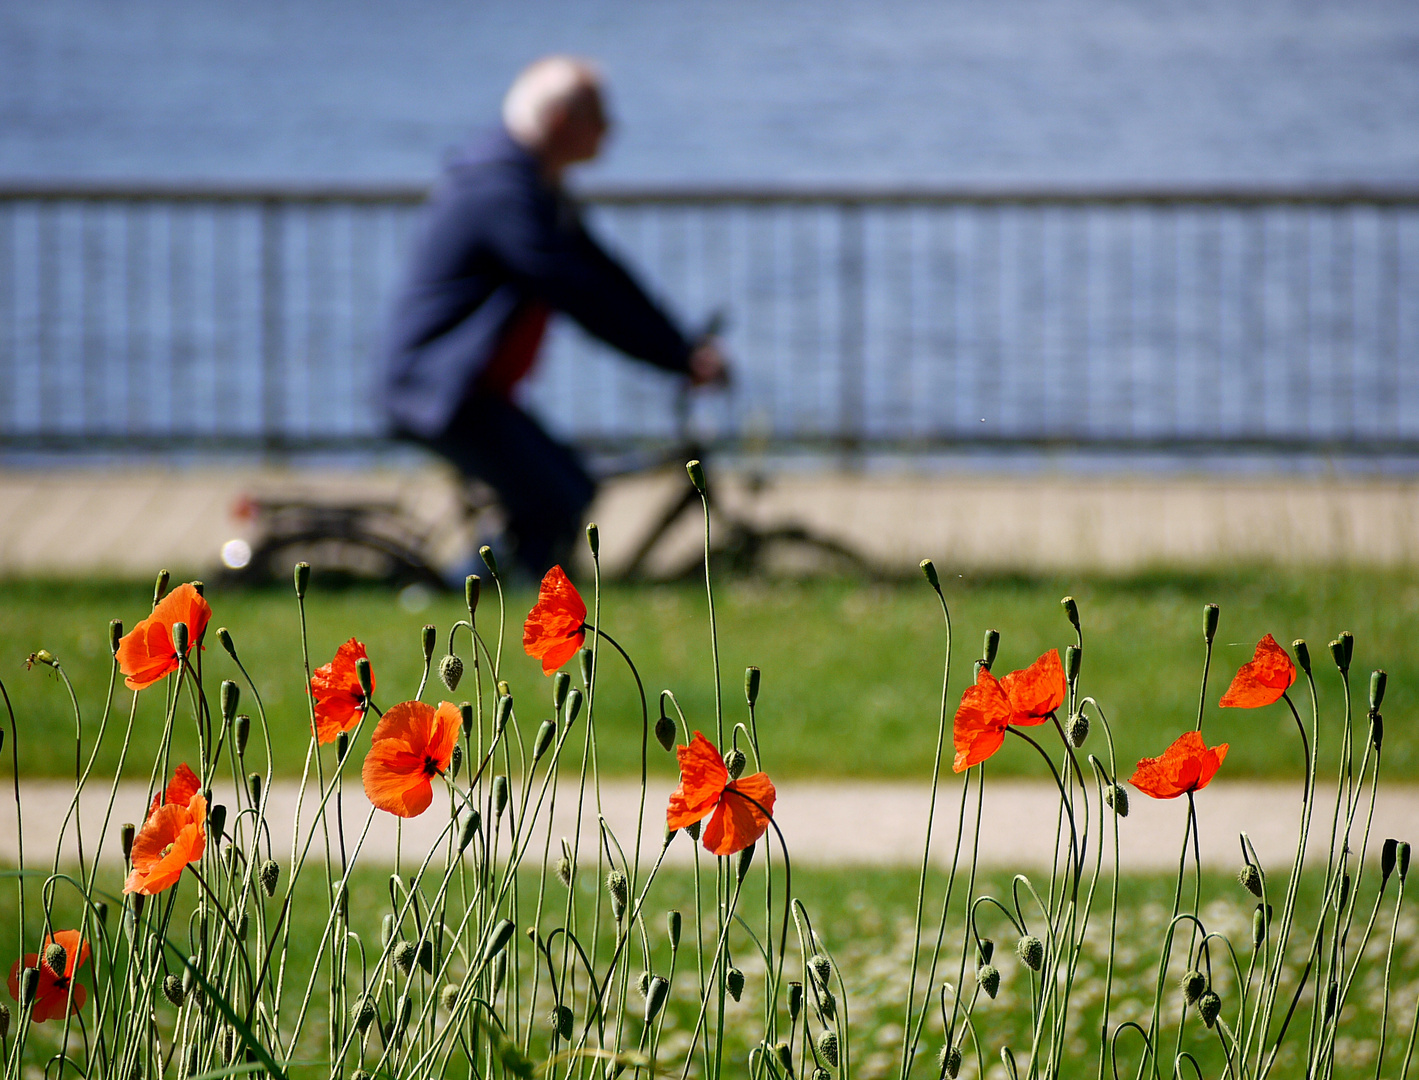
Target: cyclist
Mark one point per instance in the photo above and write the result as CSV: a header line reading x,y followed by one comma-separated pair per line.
x,y
502,246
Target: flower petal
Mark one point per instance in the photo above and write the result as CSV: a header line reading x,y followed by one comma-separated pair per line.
x,y
1188,765
1036,691
394,779
738,822
981,718
703,779
553,631
1263,679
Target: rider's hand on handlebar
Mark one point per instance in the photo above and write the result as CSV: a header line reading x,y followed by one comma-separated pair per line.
x,y
708,366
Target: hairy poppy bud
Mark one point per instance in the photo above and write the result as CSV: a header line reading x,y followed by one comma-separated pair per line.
x,y
173,990
115,635
593,539
1378,680
241,733
1193,983
254,785
988,975
269,875
1116,795
1031,950
1071,609
405,953
734,762
1078,729
560,1021
696,472
827,1005
741,868
1387,857
574,702
4,1021
403,1010
561,683
450,671
426,956
1337,653
126,832
655,995
665,732
179,638
928,569
989,647
545,734
55,957
1303,654
216,821
618,888
1377,730
820,1073
386,930
1209,1007
472,587
489,559
985,949
1210,614
693,829
734,982
784,1054
585,659
564,866
1071,662
428,639
500,795
950,1062
497,941
301,577
643,984
160,586
821,970
795,1000
455,761
828,1048
1249,877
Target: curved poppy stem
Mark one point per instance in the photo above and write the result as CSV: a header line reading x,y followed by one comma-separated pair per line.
x,y
645,731
787,866
1078,868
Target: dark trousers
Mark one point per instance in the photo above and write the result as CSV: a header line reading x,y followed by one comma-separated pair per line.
x,y
541,483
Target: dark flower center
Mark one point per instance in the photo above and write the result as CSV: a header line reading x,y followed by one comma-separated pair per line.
x,y
431,767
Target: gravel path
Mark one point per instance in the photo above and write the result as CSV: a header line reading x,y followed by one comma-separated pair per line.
x,y
848,824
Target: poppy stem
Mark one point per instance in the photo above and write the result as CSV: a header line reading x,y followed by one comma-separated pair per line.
x,y
1075,858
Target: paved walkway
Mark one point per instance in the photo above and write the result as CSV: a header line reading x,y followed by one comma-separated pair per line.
x,y
850,824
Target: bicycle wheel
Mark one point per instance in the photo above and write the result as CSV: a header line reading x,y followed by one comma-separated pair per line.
x,y
353,557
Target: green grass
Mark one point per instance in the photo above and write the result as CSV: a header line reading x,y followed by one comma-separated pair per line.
x,y
851,675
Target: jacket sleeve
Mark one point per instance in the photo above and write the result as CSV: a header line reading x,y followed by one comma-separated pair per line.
x,y
563,265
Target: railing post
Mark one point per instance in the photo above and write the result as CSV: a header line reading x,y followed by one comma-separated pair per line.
x,y
852,337
273,323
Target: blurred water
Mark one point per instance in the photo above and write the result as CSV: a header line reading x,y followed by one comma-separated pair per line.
x,y
796,90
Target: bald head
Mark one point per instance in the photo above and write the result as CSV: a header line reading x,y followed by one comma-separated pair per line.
x,y
554,108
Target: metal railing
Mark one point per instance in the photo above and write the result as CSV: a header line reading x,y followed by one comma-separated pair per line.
x,y
1268,319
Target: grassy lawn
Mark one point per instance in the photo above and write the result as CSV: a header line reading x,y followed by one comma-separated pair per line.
x,y
851,675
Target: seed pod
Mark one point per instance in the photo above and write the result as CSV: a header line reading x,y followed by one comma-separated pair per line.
x,y
160,586
386,930
785,1057
1387,858
1210,614
1031,950
497,940
985,950
179,638
426,956
404,1008
364,1013
1258,927
1344,893
1347,643
270,874
950,1062
301,577
655,996
734,982
225,637
1078,730
1337,653
672,928
752,676
1378,680
173,990
230,696
1071,662
467,829
585,659
828,1048
1193,983
743,862
29,986
734,762
500,795
795,1000
545,734
115,635
489,559
1071,609
405,953
665,732
827,1005
1249,877
500,716
560,1021
1209,1007
365,674
989,647
988,975
561,683
465,714
455,761
428,640
696,472
451,671
216,821
618,888
1377,731
928,569
1403,860
1303,654
254,783
241,733
820,969
574,702
643,984
1116,796
126,832
55,958
593,539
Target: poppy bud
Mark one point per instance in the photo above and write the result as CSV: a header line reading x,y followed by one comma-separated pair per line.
x,y
1344,896
504,711
1031,950
1071,609
254,784
405,953
269,875
751,685
179,638
665,732
1210,613
734,983
564,865
734,762
404,1008
426,956
673,923
950,1062
928,569
1337,653
821,970
741,868
386,930
618,888
1330,994
216,821
593,539
585,659
126,832
29,986
643,984
545,734
561,683
985,950
301,577
1378,680
450,671
1071,662
1193,983
225,637
655,995
1249,877
55,957
560,1021
4,1021
828,1048
230,695
785,1057
472,587
989,648
500,795
696,472
455,761
101,910
988,975
795,1000
173,990
827,1005
497,941
160,586
489,559
115,635
1387,857
1078,729
1258,927
1303,654
428,639
465,714
693,829
1347,642
1377,730
241,733
1116,795
467,829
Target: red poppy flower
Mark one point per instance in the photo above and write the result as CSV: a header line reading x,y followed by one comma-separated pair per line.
x,y
339,701
1022,698
705,789
174,835
411,745
183,785
53,997
146,653
1263,680
556,625
1187,765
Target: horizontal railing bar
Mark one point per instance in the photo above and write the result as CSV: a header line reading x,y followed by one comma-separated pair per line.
x,y
827,195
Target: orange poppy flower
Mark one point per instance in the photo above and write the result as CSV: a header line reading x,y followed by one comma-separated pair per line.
x,y
174,835
1187,765
411,745
339,702
1263,680
556,626
146,653
53,998
1022,698
183,785
705,789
